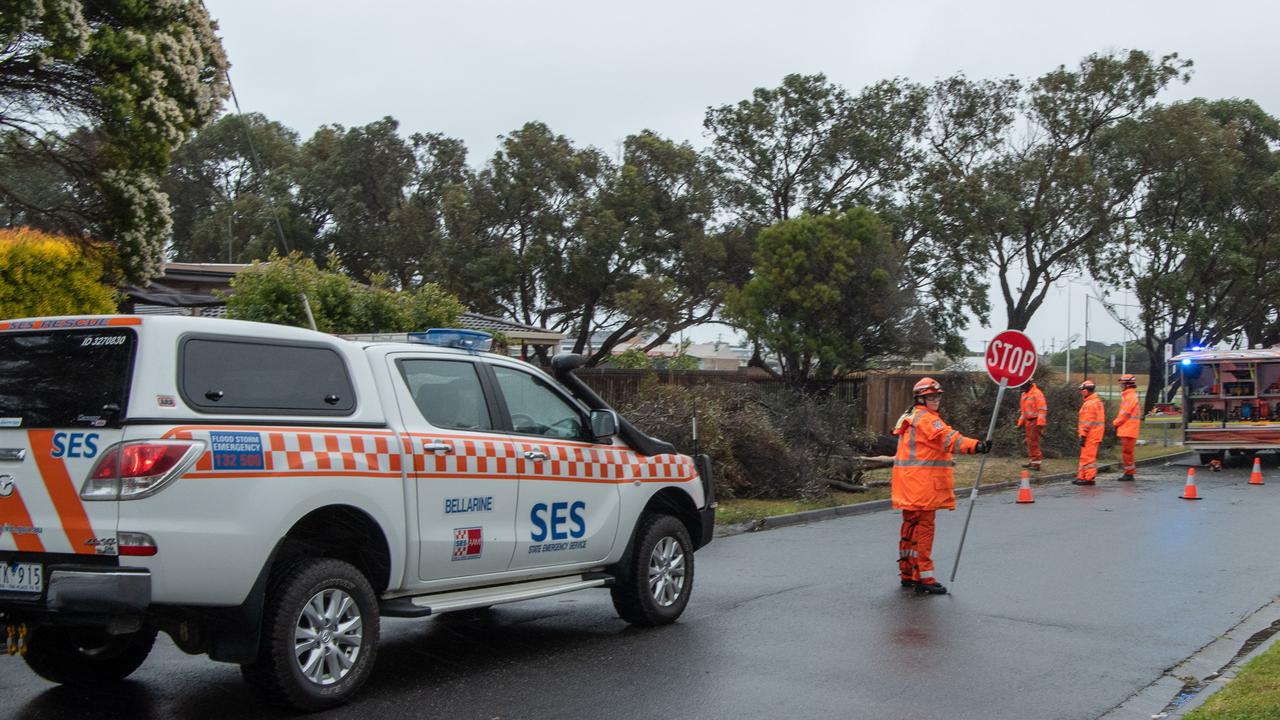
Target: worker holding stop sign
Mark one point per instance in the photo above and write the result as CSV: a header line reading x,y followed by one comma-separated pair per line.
x,y
1010,360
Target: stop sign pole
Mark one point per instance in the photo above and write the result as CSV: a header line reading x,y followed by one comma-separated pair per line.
x,y
1010,360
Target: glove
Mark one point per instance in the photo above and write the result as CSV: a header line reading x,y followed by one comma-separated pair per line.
x,y
982,447
1082,439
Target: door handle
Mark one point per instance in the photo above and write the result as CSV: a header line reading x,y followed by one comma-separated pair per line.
x,y
534,455
437,447
13,454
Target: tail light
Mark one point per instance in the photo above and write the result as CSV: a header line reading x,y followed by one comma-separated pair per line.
x,y
133,470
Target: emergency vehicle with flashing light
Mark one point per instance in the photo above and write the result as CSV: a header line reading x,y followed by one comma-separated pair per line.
x,y
1230,401
265,494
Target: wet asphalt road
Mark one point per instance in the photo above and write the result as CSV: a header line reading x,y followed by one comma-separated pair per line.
x,y
1062,609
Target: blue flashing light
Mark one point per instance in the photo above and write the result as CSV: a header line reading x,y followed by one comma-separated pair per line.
x,y
1186,361
473,340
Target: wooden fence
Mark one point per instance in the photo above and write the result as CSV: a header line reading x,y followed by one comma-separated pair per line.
x,y
880,396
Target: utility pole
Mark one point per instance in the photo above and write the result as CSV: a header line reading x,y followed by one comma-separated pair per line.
x,y
1086,336
1068,332
1124,340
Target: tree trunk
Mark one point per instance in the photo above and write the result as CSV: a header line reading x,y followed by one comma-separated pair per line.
x,y
1155,382
757,360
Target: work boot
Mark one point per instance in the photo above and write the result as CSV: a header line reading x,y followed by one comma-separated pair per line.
x,y
1079,481
907,583
933,588
1126,477
1032,466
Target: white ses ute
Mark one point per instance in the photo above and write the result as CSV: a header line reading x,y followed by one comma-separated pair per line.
x,y
264,494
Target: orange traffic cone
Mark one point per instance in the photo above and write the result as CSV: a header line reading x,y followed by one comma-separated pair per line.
x,y
1024,490
1189,491
1255,477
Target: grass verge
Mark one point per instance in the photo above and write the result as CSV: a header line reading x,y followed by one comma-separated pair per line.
x,y
1254,694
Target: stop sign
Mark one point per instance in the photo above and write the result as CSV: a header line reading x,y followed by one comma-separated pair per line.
x,y
1011,357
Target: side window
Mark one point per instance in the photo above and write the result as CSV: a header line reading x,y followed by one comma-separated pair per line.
x,y
233,376
447,393
537,409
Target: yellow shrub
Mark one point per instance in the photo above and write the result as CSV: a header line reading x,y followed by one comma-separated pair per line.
x,y
43,274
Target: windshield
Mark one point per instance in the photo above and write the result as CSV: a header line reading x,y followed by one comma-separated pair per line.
x,y
65,378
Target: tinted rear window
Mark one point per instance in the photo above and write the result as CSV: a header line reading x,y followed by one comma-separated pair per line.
x,y
65,378
230,376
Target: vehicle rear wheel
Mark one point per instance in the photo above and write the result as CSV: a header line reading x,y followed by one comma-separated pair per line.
x,y
657,577
319,636
81,656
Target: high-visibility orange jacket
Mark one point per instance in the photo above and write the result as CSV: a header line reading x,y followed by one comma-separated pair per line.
x,y
1093,418
1034,409
922,469
1129,419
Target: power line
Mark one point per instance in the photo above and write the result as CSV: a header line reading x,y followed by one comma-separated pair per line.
x,y
253,153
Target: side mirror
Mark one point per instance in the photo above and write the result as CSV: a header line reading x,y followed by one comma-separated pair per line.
x,y
604,424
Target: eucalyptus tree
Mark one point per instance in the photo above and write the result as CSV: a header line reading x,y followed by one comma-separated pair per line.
x,y
1029,182
233,189
1202,252
809,145
352,182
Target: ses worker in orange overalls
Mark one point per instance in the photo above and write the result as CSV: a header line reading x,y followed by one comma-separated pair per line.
x,y
923,482
1034,415
1093,420
1127,424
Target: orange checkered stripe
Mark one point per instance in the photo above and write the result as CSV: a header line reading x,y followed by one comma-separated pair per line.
x,y
664,468
304,452
566,461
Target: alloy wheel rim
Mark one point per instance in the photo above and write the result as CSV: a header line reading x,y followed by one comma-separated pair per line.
x,y
328,636
667,572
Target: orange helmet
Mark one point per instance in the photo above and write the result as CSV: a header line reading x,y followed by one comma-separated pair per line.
x,y
1129,379
1088,385
926,386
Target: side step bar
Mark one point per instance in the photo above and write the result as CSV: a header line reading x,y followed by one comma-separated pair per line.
x,y
423,605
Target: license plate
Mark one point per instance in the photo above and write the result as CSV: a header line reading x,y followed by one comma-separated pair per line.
x,y
21,577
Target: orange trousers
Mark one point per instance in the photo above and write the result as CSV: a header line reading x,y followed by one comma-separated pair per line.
x,y
915,547
1089,460
1126,455
1033,442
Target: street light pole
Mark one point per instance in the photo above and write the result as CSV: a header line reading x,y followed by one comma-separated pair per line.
x,y
1068,332
1086,336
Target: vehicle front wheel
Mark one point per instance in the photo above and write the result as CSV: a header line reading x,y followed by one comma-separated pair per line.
x,y
657,577
78,656
319,636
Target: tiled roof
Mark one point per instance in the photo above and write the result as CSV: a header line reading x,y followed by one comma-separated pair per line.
x,y
513,330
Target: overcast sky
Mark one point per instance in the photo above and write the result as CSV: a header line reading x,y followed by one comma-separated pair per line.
x,y
599,71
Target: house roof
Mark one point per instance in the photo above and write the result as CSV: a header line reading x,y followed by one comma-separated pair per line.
x,y
528,333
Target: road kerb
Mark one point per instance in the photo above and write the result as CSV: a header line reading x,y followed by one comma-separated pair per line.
x,y
808,516
1191,682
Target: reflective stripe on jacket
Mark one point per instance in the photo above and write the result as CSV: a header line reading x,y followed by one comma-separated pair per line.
x,y
922,474
1034,407
1093,418
1129,419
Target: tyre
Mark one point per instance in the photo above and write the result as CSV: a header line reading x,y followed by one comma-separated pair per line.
x,y
77,656
656,579
320,633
